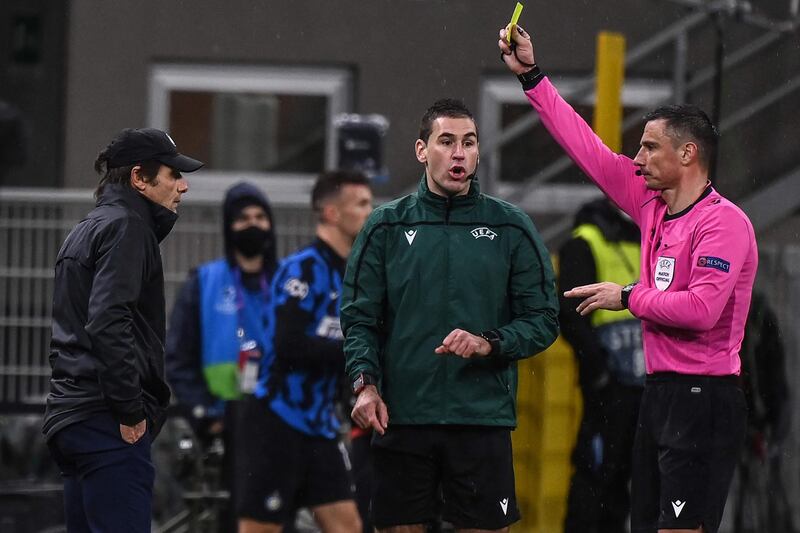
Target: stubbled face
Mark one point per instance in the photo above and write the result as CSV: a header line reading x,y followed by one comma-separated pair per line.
x,y
166,189
450,156
252,215
658,158
353,206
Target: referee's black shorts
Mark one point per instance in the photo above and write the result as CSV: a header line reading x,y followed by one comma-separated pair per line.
x,y
472,465
689,436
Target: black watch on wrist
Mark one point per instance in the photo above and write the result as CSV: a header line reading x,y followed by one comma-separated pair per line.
x,y
530,79
493,338
362,381
626,294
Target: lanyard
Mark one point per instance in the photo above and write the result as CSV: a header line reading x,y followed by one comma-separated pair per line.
x,y
241,307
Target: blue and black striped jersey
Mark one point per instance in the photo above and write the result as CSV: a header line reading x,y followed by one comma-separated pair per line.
x,y
303,367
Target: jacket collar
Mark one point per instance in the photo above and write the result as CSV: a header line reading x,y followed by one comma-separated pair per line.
x,y
441,202
157,217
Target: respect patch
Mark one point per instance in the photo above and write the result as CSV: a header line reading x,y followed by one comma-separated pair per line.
x,y
714,262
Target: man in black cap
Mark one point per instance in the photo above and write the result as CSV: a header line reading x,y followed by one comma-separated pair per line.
x,y
107,396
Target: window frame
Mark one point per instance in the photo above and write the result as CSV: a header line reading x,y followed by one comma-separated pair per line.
x,y
333,83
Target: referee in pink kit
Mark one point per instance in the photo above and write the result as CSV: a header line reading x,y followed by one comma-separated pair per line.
x,y
699,261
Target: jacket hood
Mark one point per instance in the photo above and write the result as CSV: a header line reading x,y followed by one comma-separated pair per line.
x,y
614,225
236,198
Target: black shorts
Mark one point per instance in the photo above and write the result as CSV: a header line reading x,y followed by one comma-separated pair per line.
x,y
280,469
472,465
690,432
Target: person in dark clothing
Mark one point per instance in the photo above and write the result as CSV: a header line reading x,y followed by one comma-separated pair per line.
x,y
221,308
108,396
608,348
291,451
760,500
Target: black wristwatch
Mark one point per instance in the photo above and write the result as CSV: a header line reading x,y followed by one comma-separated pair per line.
x,y
530,79
362,381
626,294
493,338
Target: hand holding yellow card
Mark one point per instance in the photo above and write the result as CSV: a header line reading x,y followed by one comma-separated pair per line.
x,y
514,19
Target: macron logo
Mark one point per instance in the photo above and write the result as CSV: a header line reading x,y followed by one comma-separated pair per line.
x,y
677,506
504,505
410,234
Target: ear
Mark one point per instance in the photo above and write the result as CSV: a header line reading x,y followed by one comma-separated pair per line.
x,y
421,151
137,180
689,153
330,212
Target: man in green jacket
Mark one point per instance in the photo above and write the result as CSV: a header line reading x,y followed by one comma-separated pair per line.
x,y
445,290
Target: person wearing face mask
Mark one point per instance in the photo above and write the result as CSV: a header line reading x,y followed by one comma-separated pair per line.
x,y
290,448
108,397
219,324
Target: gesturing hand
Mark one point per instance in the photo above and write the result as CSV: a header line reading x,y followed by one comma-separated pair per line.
x,y
519,55
464,344
370,411
605,295
131,434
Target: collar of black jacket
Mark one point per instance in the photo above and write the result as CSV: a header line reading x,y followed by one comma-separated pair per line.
x,y
156,216
441,202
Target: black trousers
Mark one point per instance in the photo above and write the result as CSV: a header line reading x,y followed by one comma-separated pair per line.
x,y
599,498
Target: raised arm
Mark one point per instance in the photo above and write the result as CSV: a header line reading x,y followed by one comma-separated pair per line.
x,y
615,174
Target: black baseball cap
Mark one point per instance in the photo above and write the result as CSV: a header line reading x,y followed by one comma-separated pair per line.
x,y
133,146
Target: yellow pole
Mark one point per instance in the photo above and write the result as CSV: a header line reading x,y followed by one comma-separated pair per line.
x,y
610,77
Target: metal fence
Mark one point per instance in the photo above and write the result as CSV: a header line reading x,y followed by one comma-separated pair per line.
x,y
34,223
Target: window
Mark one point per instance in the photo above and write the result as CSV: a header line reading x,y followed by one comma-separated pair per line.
x,y
251,121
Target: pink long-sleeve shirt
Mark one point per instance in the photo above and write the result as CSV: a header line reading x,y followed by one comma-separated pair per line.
x,y
698,266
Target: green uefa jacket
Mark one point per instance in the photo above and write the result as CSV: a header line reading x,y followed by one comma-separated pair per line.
x,y
424,265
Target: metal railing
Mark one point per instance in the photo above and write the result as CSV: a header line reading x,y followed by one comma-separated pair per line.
x,y
34,223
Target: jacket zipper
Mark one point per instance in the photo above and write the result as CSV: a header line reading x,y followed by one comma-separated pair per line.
x,y
448,206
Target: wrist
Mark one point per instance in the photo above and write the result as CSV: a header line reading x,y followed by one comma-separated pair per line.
x,y
492,338
362,382
625,294
531,77
368,389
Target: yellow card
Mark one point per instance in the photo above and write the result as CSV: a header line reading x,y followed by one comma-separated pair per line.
x,y
514,19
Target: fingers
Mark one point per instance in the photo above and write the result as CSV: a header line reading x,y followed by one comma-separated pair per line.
x,y
459,342
128,434
583,291
371,413
503,43
517,34
383,418
587,306
132,434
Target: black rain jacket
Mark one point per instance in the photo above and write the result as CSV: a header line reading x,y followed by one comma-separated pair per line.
x,y
107,348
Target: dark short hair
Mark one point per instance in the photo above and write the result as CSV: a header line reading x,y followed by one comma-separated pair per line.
x,y
329,184
686,122
446,107
122,175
